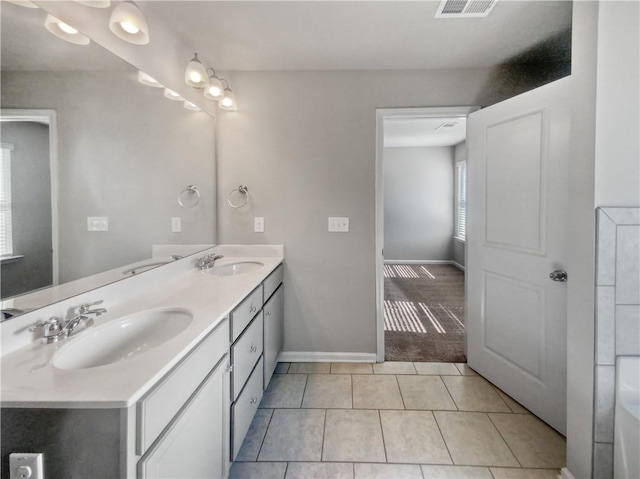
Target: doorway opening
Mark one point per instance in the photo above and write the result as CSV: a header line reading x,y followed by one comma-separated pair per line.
x,y
420,233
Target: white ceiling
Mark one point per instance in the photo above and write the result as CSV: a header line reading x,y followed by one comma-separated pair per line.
x,y
412,132
353,35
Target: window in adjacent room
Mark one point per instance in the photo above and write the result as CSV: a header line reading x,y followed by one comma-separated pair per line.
x,y
461,200
6,235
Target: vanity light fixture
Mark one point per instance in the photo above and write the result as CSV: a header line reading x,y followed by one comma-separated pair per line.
x,y
172,95
95,3
215,90
148,80
228,102
196,74
128,23
64,31
191,106
23,3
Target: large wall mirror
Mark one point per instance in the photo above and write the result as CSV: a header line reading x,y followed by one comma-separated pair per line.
x,y
93,163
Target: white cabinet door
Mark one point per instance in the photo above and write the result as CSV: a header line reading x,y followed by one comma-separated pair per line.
x,y
196,444
273,333
518,217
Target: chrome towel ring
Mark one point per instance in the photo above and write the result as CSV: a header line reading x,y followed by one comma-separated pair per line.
x,y
239,197
189,197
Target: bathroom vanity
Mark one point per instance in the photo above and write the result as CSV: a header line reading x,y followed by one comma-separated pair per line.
x,y
173,399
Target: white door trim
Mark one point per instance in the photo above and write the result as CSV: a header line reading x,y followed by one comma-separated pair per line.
x,y
381,115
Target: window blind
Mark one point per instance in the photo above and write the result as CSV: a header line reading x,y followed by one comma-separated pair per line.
x,y
461,199
6,234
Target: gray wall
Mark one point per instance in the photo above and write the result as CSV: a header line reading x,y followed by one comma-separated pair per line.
x,y
31,208
124,152
459,154
418,203
304,144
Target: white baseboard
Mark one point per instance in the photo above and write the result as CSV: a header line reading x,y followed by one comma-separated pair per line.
x,y
417,261
566,474
321,357
458,265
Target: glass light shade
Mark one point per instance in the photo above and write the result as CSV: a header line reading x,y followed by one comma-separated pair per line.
x,y
191,106
128,23
215,90
23,3
64,31
172,95
148,80
196,74
95,3
229,101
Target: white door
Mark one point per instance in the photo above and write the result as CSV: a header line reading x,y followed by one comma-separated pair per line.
x,y
518,203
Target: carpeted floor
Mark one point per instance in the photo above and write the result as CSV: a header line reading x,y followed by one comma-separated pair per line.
x,y
424,313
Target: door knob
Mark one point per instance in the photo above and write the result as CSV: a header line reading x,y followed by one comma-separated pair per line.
x,y
559,275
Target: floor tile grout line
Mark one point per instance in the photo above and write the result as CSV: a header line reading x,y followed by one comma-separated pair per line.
x,y
503,438
273,411
324,430
449,393
404,406
286,468
304,391
352,395
444,440
384,443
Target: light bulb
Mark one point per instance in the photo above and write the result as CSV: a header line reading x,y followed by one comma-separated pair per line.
x,y
129,27
67,28
228,102
195,77
214,91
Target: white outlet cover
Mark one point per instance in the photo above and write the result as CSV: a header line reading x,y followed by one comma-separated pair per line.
x,y
176,224
97,223
338,224
258,224
26,465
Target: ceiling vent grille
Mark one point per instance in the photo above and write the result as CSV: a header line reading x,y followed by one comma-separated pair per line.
x,y
465,8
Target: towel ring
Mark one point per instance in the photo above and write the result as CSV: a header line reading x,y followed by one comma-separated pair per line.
x,y
189,197
241,190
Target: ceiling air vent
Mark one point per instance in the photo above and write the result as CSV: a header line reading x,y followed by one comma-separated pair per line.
x,y
465,8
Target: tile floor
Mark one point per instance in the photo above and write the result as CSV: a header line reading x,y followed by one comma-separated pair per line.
x,y
393,420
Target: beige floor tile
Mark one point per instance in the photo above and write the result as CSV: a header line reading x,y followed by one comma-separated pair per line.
x,y
535,444
474,394
515,406
257,470
473,440
456,472
253,440
513,473
394,367
294,435
353,436
310,368
284,391
328,391
315,470
376,392
425,392
387,471
351,368
444,369
282,368
413,437
465,370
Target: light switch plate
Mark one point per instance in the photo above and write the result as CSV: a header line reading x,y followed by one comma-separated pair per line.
x,y
338,224
176,224
97,223
258,224
26,466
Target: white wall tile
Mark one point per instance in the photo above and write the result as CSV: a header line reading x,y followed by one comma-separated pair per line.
x,y
606,250
628,265
605,323
603,461
623,216
628,329
605,390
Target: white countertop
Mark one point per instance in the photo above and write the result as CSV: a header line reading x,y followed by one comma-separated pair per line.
x,y
29,378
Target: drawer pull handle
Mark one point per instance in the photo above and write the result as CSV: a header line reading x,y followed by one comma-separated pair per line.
x,y
267,312
229,368
253,348
252,309
254,400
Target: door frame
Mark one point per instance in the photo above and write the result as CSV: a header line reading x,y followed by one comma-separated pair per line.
x,y
381,115
49,118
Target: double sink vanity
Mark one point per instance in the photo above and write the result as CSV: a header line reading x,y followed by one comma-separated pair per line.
x,y
164,382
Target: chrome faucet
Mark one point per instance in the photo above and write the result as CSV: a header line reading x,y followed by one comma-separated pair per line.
x,y
55,328
207,261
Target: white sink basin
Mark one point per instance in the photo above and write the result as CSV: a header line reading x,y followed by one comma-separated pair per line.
x,y
233,269
122,338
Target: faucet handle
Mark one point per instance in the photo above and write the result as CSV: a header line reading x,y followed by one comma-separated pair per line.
x,y
53,323
86,307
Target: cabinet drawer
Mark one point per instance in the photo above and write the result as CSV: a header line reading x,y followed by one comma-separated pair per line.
x,y
273,333
245,408
273,281
244,354
156,409
244,313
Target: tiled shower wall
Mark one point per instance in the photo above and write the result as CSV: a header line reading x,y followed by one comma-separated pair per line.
x,y
617,319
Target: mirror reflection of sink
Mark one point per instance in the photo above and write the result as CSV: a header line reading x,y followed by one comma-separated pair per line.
x,y
122,338
233,269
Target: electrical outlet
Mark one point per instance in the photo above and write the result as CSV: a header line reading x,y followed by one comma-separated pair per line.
x,y
338,224
26,466
176,224
258,224
97,223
